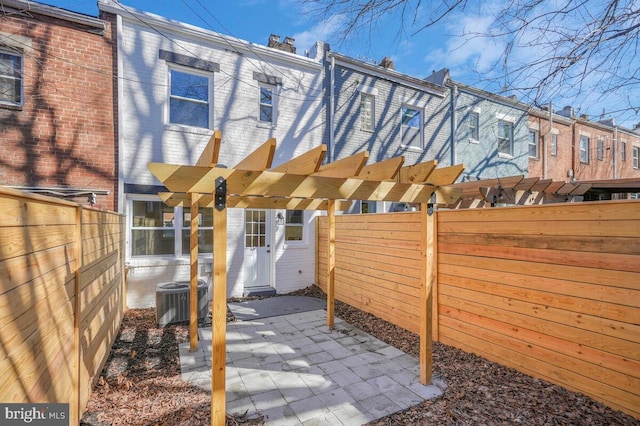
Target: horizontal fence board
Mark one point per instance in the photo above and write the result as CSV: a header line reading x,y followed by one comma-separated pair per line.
x,y
401,267
20,241
577,305
624,357
405,284
533,270
597,292
23,269
597,228
30,212
366,243
570,212
617,368
626,334
602,260
621,245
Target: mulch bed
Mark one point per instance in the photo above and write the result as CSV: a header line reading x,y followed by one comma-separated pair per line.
x,y
141,383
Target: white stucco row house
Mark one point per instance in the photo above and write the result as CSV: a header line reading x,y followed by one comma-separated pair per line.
x,y
177,84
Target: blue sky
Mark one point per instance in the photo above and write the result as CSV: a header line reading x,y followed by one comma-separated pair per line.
x,y
472,60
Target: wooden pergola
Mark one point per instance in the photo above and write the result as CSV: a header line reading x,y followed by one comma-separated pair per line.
x,y
302,183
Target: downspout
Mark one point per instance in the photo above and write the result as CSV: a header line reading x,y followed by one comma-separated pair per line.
x,y
615,151
331,110
573,151
546,142
454,124
121,142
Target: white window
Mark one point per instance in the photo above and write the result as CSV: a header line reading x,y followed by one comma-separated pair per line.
x,y
367,112
584,149
294,225
554,144
368,207
474,126
154,227
505,137
600,148
636,154
533,143
266,103
10,78
189,99
623,152
411,127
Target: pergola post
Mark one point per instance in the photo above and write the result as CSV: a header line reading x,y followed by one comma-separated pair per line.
x,y
428,232
331,262
219,316
193,288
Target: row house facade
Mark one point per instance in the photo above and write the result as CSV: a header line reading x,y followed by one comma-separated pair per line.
x,y
177,84
57,115
563,146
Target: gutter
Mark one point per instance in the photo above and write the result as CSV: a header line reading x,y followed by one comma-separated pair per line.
x,y
55,12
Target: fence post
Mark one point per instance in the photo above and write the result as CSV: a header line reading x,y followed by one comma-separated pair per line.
x,y
193,285
427,228
74,409
331,262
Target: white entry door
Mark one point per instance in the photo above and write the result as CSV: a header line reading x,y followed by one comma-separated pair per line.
x,y
257,248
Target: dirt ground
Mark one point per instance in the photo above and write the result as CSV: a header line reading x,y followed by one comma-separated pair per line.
x,y
141,384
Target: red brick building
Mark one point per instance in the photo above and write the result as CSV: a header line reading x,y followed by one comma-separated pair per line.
x,y
572,147
57,103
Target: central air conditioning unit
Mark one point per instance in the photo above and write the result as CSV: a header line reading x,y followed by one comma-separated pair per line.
x,y
172,301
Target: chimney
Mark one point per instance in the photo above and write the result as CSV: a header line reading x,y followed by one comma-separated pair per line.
x,y
566,112
387,63
636,126
285,46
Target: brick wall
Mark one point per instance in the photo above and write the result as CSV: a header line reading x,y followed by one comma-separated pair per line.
x,y
63,135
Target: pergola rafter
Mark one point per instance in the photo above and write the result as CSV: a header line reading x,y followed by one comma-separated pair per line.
x,y
300,183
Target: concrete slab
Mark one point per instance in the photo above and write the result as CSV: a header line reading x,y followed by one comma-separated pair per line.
x,y
276,369
275,306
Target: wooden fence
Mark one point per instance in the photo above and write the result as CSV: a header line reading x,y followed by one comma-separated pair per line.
x,y
58,316
552,290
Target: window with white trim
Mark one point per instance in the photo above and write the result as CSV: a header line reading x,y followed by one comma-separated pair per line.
x,y
154,227
474,126
368,207
266,104
636,155
533,144
294,225
367,112
584,149
411,127
189,97
505,137
10,78
554,144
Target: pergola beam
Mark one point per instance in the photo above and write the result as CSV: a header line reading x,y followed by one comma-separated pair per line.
x,y
211,152
174,199
180,178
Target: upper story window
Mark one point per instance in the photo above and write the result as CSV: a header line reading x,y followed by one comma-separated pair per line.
x,y
411,127
367,111
266,104
554,144
600,149
533,144
10,78
189,100
636,156
623,151
294,225
474,126
584,148
505,137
